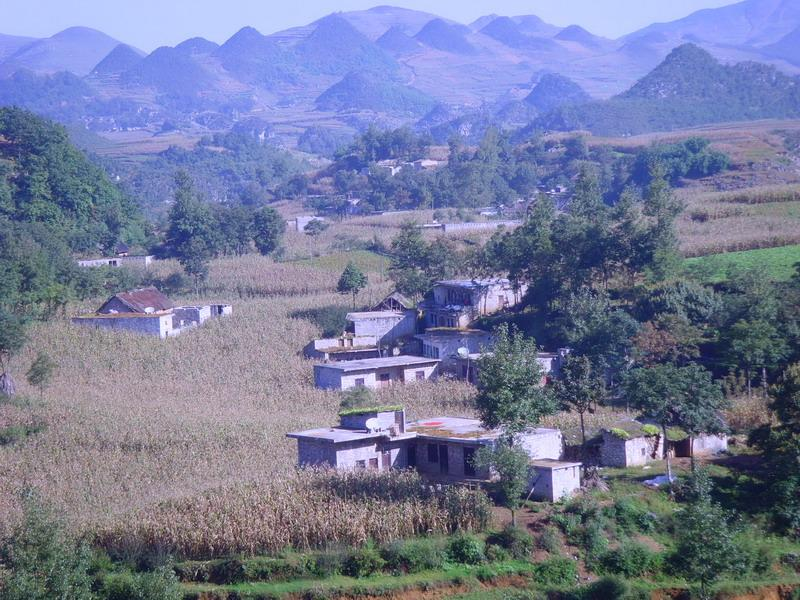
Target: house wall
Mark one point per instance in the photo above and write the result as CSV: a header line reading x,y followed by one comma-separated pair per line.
x,y
703,445
117,261
486,225
543,444
635,452
114,305
455,459
554,484
315,453
188,316
327,378
387,329
446,347
156,325
349,454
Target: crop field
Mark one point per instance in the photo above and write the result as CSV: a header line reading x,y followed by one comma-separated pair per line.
x,y
777,264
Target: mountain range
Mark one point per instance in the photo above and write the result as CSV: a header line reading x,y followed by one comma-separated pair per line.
x,y
384,65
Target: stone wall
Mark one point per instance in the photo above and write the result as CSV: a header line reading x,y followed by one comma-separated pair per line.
x,y
634,452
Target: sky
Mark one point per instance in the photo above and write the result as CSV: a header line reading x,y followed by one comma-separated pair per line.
x,y
148,24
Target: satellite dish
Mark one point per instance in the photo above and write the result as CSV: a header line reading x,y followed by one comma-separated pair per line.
x,y
463,352
395,351
373,425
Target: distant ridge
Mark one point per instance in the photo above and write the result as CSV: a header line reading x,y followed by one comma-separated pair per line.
x,y
398,42
554,91
364,91
120,59
446,37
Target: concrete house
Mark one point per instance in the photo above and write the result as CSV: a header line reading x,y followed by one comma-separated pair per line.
x,y
631,444
374,373
344,348
457,303
374,439
441,449
444,344
468,367
149,312
445,446
121,260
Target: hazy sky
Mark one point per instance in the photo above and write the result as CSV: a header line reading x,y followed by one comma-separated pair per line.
x,y
152,23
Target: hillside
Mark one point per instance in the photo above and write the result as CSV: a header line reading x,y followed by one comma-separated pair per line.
x,y
365,91
397,42
446,37
509,33
9,44
689,88
77,49
120,59
46,181
554,91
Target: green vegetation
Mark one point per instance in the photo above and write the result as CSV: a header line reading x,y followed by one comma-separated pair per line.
x,y
689,88
775,264
352,281
369,409
366,91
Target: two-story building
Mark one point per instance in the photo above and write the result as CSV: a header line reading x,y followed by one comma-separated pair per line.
x,y
458,303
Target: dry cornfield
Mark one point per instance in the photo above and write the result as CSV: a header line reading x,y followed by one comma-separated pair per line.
x,y
134,422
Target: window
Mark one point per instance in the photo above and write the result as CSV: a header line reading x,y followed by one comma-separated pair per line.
x,y
361,465
373,464
433,453
420,375
644,451
360,382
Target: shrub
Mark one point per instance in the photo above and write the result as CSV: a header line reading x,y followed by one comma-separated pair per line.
x,y
757,555
413,556
330,563
594,541
555,572
157,585
495,553
630,516
630,560
607,588
516,540
296,566
466,549
550,540
227,571
363,562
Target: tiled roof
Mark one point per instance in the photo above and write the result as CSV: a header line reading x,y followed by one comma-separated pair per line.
x,y
144,300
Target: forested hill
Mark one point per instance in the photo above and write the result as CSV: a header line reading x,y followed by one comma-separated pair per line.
x,y
689,88
48,185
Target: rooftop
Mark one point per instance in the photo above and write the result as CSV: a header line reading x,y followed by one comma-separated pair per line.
x,y
368,364
336,435
473,283
375,314
549,463
446,332
459,428
143,300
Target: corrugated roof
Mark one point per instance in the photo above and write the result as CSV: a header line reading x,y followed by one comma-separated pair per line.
x,y
143,300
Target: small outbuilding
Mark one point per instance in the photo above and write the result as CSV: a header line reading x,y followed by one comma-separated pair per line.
x,y
631,444
555,480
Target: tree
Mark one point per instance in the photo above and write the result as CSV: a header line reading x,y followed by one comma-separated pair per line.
x,y
511,466
357,397
352,281
578,388
44,562
673,396
754,344
510,391
315,227
191,236
41,372
268,228
780,447
410,256
706,548
12,339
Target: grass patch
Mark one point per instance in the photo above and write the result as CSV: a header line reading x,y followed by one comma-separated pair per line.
x,y
367,261
778,264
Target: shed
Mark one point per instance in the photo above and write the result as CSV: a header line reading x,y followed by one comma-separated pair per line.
x,y
554,480
374,373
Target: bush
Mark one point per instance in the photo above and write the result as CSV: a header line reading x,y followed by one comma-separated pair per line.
x,y
630,516
630,560
555,572
495,553
550,540
363,562
466,548
607,588
226,572
757,555
158,585
296,566
413,556
516,540
330,563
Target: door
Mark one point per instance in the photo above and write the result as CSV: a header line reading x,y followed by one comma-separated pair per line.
x,y
469,466
384,380
444,460
412,456
386,460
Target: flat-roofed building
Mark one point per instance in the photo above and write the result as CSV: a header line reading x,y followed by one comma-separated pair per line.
x,y
374,373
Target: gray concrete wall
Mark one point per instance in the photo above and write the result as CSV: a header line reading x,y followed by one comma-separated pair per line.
x,y
553,485
155,325
455,459
314,453
549,444
387,329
